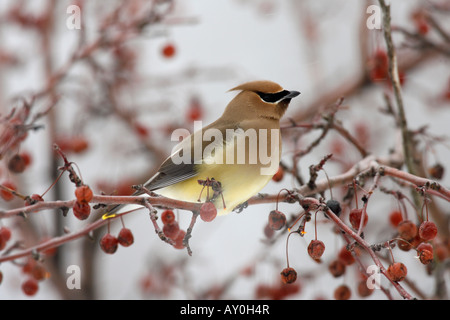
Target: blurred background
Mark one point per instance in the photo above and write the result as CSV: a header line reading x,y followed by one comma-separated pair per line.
x,y
111,90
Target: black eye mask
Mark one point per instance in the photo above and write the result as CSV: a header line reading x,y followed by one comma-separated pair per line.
x,y
275,97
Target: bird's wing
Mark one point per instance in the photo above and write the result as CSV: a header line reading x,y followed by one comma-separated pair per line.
x,y
172,171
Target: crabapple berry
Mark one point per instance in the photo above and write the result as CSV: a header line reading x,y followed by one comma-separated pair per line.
x,y
168,51
30,286
5,233
34,198
316,249
355,218
407,230
345,256
83,193
334,206
342,292
16,164
168,217
363,289
208,211
397,271
81,210
109,243
436,171
179,240
426,256
5,194
125,237
427,230
171,230
395,217
337,268
277,219
288,275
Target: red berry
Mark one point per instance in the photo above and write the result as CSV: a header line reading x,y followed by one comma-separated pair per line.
x,y
81,210
407,230
125,237
208,211
363,289
83,193
337,268
179,240
355,218
16,164
277,219
195,110
141,130
342,292
109,243
5,233
5,194
39,272
424,246
346,256
171,230
268,231
288,275
29,265
30,287
34,198
79,144
397,271
278,176
395,217
168,50
426,256
316,249
427,230
168,217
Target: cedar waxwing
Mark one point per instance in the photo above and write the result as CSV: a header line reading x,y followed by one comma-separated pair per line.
x,y
233,158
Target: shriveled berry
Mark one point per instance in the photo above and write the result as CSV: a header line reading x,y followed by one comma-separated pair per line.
x,y
363,289
355,218
83,193
346,257
277,219
268,231
337,268
179,240
208,212
125,237
334,206
397,271
81,210
428,230
109,243
30,286
426,256
342,292
168,217
171,230
288,275
316,249
407,230
16,164
424,246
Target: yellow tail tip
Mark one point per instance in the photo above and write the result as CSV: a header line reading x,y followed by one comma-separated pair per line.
x,y
108,216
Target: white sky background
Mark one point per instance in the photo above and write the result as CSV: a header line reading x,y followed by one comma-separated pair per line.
x,y
237,36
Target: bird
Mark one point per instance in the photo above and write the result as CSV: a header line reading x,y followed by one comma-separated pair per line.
x,y
233,158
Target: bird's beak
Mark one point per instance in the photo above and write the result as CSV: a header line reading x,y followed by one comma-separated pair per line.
x,y
291,94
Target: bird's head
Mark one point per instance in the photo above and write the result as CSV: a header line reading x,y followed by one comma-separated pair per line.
x,y
260,99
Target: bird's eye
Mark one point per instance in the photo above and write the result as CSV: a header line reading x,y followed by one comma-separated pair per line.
x,y
273,97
